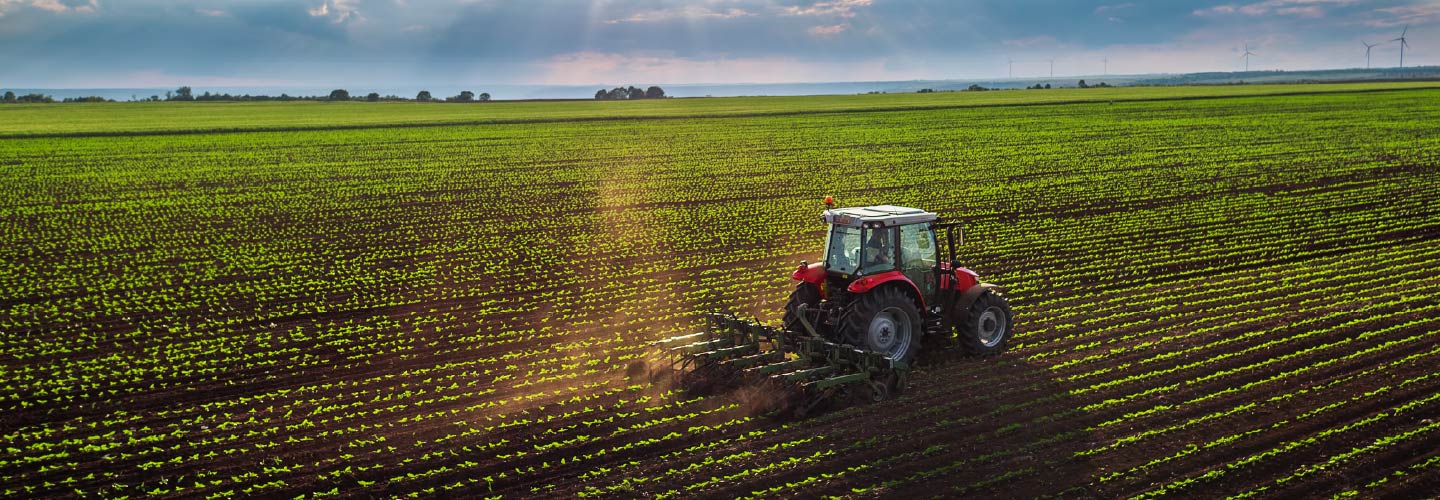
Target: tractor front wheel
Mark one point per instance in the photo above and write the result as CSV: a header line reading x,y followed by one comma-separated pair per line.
x,y
885,321
986,326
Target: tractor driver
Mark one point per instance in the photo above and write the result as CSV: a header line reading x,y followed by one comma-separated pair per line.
x,y
878,252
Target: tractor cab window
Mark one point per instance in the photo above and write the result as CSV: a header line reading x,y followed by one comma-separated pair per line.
x,y
918,250
853,250
918,256
879,252
843,253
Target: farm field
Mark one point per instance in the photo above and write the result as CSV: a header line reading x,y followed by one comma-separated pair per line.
x,y
1227,294
194,117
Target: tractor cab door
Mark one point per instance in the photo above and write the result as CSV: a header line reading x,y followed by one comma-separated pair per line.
x,y
919,256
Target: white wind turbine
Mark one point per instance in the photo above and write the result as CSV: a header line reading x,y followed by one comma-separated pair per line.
x,y
1246,57
1403,44
1368,46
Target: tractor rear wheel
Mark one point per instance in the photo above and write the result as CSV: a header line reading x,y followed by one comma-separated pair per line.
x,y
885,321
806,294
986,326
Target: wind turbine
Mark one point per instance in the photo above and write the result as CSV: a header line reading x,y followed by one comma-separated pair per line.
x,y
1246,57
1052,67
1012,67
1403,44
1106,61
1368,46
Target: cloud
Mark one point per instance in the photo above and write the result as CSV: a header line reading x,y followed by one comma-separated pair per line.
x,y
1405,15
601,68
1306,11
1034,42
686,12
438,41
1216,10
1301,8
831,30
338,11
841,8
62,6
1106,9
1111,12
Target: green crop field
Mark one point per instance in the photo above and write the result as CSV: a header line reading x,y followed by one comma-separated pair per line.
x,y
1217,291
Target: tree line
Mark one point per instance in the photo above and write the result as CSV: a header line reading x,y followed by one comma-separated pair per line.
x,y
10,97
629,93
186,94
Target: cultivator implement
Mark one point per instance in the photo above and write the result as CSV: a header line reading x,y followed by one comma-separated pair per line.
x,y
804,369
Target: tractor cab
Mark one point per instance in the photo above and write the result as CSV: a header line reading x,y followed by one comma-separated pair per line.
x,y
872,241
882,285
867,246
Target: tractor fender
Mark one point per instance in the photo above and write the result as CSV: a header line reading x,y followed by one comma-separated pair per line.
x,y
810,273
868,283
963,279
965,300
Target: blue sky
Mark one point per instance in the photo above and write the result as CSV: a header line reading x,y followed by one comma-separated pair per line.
x,y
152,43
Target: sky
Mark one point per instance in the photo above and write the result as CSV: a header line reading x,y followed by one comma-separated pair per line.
x,y
295,43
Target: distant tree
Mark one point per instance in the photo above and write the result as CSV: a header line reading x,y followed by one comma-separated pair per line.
x,y
654,92
372,97
339,95
484,96
1083,85
1047,86
635,93
974,87
9,96
465,96
601,95
423,96
925,91
35,98
181,94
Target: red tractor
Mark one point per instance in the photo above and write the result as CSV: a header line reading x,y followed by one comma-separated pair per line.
x,y
883,287
856,319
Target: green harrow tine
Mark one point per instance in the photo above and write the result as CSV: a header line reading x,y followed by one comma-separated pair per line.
x,y
748,361
681,338
699,347
794,364
827,383
810,367
729,352
802,375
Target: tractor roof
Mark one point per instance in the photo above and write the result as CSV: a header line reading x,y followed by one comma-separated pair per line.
x,y
882,215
